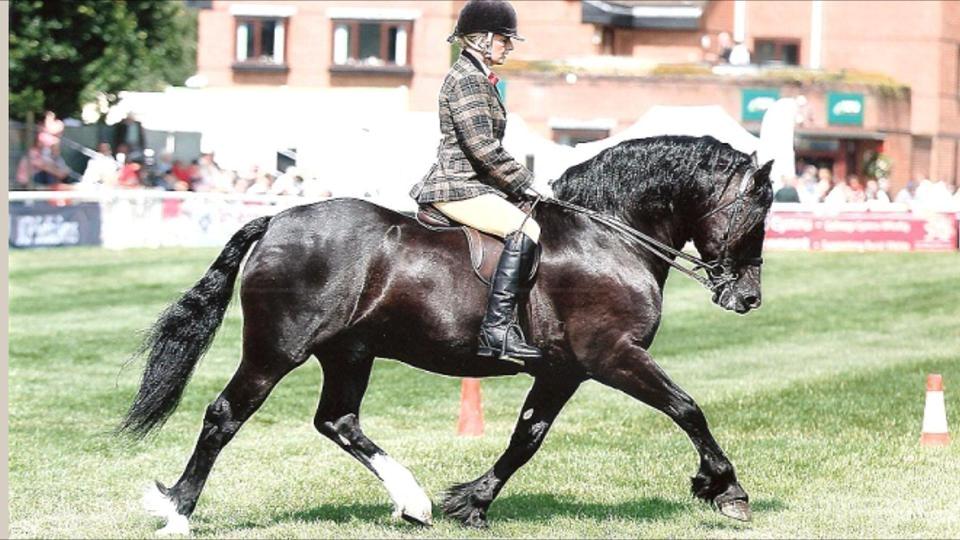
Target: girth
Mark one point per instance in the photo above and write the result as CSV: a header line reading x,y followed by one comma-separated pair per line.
x,y
484,248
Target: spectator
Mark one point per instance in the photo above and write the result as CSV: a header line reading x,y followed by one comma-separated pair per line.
x,y
130,175
725,47
212,177
288,183
708,57
130,134
855,192
50,131
874,193
908,194
241,184
47,167
824,183
180,171
807,188
102,169
788,193
932,192
262,183
164,165
883,193
839,193
740,55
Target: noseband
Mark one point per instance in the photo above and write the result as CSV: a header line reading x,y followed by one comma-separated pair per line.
x,y
720,271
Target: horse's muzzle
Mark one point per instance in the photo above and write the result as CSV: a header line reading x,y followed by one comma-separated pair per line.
x,y
731,299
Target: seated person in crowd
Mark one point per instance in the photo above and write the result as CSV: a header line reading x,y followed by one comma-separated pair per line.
x,y
824,183
907,194
874,193
839,193
131,175
42,167
932,192
788,193
102,169
856,193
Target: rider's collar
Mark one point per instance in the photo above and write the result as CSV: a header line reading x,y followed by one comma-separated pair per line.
x,y
477,62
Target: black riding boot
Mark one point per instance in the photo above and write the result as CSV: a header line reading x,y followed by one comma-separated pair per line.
x,y
500,334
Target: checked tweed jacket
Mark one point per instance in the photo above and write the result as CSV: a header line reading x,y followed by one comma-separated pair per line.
x,y
471,160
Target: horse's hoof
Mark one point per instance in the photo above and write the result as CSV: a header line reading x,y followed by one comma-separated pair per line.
x,y
177,526
476,520
415,521
157,502
737,509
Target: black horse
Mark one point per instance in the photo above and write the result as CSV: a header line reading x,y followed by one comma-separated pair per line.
x,y
347,281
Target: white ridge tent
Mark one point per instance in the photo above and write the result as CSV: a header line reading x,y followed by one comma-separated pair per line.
x,y
676,120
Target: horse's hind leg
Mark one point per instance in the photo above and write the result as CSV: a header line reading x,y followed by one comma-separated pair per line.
x,y
345,378
251,384
632,370
468,502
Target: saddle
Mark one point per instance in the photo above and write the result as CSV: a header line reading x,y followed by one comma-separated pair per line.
x,y
484,248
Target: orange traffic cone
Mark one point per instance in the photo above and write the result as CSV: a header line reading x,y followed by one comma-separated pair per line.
x,y
471,409
934,415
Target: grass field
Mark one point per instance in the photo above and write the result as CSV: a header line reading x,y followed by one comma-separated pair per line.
x,y
817,398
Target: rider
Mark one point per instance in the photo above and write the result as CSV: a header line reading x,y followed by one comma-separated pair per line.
x,y
474,176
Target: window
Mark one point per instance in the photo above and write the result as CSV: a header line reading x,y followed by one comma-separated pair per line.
x,y
260,41
606,41
777,51
371,44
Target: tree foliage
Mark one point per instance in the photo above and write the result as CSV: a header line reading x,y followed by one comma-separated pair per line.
x,y
64,54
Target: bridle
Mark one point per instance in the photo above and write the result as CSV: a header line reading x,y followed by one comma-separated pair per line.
x,y
720,271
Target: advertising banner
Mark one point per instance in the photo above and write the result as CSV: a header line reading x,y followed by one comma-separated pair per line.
x,y
844,109
199,221
862,231
42,224
755,101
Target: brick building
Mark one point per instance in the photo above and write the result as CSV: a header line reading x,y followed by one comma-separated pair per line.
x,y
877,76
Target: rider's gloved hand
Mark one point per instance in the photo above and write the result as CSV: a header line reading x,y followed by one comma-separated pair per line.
x,y
531,194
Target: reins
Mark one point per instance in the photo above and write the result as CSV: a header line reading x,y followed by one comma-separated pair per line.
x,y
651,244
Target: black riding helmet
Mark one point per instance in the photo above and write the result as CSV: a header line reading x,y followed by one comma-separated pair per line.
x,y
482,16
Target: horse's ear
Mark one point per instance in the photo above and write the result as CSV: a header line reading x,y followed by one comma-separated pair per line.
x,y
765,170
762,176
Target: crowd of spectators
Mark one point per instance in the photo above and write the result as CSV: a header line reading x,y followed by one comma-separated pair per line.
x,y
131,166
128,164
202,174
43,168
820,186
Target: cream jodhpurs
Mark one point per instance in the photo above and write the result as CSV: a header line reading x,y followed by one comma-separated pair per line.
x,y
490,214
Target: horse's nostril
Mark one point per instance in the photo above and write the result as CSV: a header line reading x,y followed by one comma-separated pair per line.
x,y
752,300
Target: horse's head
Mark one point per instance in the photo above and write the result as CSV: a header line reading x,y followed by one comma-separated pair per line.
x,y
729,236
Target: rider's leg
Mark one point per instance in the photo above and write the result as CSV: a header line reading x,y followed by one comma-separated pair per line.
x,y
490,214
500,335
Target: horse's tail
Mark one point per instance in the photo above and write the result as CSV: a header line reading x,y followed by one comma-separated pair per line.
x,y
183,333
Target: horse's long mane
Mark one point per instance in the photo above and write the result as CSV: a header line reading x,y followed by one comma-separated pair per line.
x,y
650,176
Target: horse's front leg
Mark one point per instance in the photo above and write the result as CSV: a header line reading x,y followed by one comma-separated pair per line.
x,y
631,369
468,502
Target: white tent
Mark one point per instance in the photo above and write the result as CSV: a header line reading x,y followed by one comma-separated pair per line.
x,y
776,138
247,126
674,120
